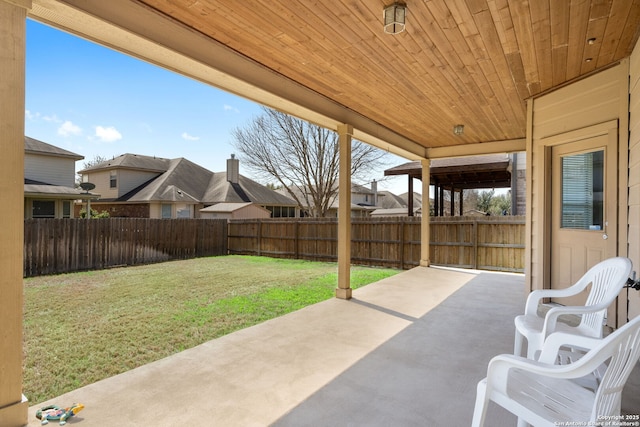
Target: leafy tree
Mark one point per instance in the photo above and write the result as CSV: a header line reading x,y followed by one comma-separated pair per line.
x,y
501,204
494,204
485,199
303,158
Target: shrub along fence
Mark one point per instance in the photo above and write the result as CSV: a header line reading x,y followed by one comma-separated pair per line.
x,y
53,246
488,243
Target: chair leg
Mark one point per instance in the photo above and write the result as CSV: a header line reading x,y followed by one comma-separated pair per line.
x,y
482,402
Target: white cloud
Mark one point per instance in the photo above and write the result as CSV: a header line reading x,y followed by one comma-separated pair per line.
x,y
189,137
108,134
230,108
53,119
31,116
69,129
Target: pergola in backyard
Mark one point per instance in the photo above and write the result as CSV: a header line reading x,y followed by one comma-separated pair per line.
x,y
470,62
456,175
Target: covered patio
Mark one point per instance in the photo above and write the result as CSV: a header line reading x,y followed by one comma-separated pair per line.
x,y
398,353
520,76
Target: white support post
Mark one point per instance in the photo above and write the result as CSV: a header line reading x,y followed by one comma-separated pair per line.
x,y
425,222
13,16
343,291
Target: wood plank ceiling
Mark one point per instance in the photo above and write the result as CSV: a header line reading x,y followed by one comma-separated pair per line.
x,y
472,62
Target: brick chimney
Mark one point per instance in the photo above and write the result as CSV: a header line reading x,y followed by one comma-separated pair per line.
x,y
233,169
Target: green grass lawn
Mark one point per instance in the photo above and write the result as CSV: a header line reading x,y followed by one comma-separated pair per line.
x,y
83,327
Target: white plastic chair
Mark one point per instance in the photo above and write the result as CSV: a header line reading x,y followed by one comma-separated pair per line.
x,y
544,394
607,278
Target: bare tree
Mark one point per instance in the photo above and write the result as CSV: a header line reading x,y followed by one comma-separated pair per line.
x,y
302,157
89,163
96,160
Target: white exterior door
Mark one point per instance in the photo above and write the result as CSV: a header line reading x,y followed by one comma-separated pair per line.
x,y
583,208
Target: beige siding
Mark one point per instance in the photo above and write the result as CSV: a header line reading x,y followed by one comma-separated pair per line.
x,y
251,211
101,180
584,103
50,169
593,100
634,175
127,180
155,210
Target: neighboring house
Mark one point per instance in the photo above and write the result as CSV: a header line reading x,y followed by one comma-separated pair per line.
x,y
49,181
390,204
365,201
246,210
133,185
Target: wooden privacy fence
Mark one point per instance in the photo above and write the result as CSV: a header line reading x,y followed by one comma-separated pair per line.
x,y
54,246
488,243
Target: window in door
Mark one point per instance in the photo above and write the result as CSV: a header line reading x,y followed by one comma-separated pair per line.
x,y
583,191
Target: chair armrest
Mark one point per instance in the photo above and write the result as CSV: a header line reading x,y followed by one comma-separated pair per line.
x,y
499,366
556,340
536,296
551,318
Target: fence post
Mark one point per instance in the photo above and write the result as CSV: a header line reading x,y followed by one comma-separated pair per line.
x,y
259,237
402,223
295,240
475,243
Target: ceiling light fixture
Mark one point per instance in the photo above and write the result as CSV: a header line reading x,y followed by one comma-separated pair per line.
x,y
458,130
394,18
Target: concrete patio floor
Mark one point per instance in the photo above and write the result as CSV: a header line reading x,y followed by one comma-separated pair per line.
x,y
405,351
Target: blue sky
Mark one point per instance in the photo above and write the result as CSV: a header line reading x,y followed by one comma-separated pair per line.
x,y
94,101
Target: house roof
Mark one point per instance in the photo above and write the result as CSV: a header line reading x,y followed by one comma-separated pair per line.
x,y
361,189
229,207
40,189
388,200
34,146
181,180
245,190
131,161
457,61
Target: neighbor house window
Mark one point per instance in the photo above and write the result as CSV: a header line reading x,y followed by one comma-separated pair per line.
x,y
281,211
113,179
66,209
166,211
43,209
183,212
